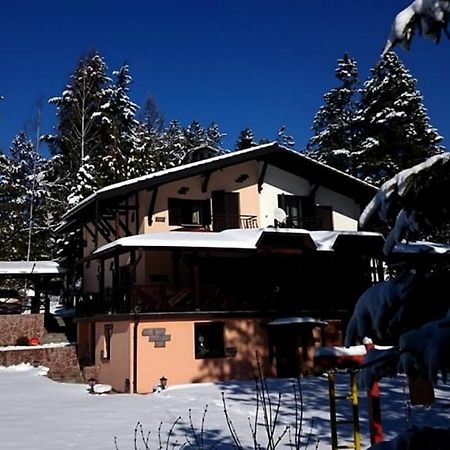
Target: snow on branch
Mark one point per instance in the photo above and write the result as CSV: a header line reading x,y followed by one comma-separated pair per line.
x,y
427,17
413,199
378,311
426,351
417,438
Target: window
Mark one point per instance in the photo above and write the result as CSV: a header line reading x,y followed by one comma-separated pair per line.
x,y
209,340
301,211
106,352
189,212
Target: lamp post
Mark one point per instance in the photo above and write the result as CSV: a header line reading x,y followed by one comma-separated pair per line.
x,y
92,381
163,382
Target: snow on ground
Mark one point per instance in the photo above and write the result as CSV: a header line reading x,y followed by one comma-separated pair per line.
x,y
38,413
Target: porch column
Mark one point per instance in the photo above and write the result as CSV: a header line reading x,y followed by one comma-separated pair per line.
x,y
35,301
116,284
46,298
132,280
196,272
101,286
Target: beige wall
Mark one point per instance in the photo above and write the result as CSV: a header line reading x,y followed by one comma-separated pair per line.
x,y
176,360
345,210
118,368
224,179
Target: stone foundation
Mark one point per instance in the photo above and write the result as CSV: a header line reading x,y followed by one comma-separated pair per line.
x,y
16,326
62,361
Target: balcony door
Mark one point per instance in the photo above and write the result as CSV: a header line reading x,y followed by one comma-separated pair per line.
x,y
226,210
299,209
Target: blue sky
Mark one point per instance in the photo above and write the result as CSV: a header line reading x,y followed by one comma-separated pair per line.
x,y
256,63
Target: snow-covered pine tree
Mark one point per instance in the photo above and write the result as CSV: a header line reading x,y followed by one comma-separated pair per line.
x,y
246,139
79,138
22,190
170,151
334,130
214,135
152,116
81,122
119,160
285,139
393,124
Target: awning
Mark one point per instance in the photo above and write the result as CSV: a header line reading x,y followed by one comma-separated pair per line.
x,y
249,240
27,268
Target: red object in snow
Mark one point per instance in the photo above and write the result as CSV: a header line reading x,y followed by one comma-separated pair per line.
x,y
34,341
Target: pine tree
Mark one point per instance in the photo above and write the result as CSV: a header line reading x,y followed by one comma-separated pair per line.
x,y
334,130
214,135
152,117
80,139
285,139
394,127
81,121
23,202
118,160
245,140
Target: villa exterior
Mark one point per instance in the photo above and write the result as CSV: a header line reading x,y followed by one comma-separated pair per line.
x,y
187,272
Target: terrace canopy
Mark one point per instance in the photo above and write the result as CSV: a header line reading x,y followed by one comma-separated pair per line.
x,y
37,272
269,239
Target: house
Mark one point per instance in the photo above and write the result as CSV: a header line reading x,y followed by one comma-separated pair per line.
x,y
190,271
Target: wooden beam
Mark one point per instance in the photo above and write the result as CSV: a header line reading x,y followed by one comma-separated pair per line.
x,y
92,233
104,232
136,202
151,207
206,177
107,226
262,176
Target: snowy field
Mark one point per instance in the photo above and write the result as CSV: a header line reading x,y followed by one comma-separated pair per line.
x,y
38,413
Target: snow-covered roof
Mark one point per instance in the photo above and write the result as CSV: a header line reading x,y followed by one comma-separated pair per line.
x,y
237,239
297,321
421,247
30,268
333,240
197,167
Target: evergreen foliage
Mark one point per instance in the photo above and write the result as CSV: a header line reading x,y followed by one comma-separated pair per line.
x,y
23,202
245,140
334,138
378,130
284,139
394,127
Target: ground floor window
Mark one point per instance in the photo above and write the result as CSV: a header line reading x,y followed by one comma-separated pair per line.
x,y
106,352
209,340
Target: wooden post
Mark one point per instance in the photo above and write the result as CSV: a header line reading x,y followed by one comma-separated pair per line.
x,y
373,402
332,394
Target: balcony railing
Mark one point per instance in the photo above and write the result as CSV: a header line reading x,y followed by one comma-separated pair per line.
x,y
222,222
306,223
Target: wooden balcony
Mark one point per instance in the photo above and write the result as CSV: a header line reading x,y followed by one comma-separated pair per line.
x,y
222,222
170,298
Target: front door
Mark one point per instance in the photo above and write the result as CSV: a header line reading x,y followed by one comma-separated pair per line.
x,y
285,350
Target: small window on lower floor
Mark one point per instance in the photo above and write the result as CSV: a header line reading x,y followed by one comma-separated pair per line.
x,y
209,340
106,352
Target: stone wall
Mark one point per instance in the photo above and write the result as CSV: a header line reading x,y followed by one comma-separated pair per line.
x,y
62,361
15,326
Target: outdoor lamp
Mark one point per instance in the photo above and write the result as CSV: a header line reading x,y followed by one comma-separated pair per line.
x,y
163,382
92,381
